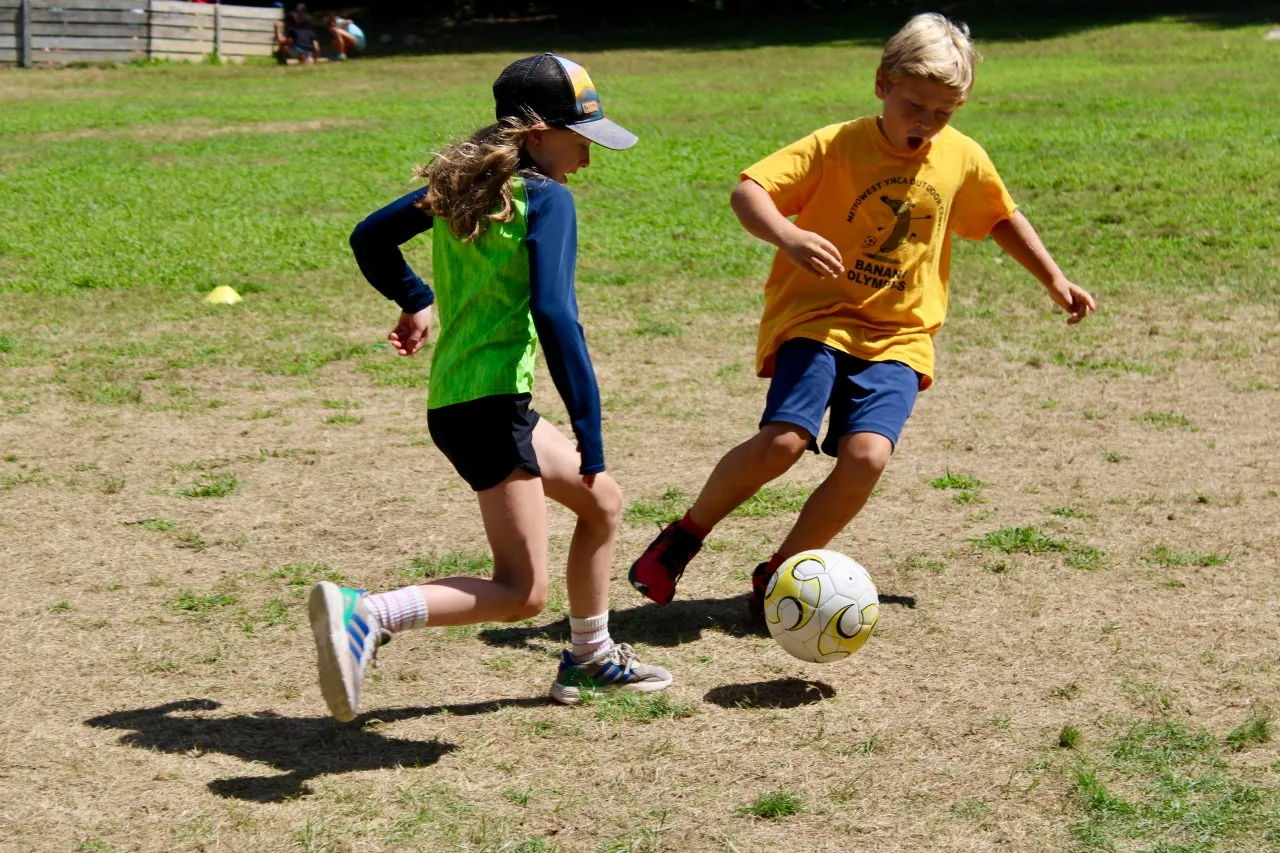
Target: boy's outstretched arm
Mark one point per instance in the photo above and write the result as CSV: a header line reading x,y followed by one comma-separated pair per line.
x,y
1021,242
811,252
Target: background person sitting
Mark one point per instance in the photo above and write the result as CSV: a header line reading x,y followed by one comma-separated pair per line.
x,y
295,39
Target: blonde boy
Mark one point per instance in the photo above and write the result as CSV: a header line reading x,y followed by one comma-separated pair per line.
x,y
857,291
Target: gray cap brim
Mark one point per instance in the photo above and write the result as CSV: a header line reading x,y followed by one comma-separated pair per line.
x,y
606,132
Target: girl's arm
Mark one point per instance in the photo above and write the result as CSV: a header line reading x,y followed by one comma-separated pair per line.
x,y
553,245
1021,242
376,243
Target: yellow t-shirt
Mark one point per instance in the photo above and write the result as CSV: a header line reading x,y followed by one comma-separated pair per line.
x,y
891,215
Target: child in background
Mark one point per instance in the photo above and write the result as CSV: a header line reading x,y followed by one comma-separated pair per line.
x,y
857,291
295,39
347,37
504,248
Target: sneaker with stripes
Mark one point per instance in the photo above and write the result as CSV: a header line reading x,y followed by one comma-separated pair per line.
x,y
616,669
347,634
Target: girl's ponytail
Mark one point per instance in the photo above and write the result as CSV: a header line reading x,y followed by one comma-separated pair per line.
x,y
466,181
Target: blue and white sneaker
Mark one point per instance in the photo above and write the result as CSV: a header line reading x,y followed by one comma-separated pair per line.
x,y
347,638
616,669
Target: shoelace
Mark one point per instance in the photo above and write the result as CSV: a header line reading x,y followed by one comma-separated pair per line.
x,y
625,656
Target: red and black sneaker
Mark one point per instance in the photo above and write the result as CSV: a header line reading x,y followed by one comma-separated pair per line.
x,y
759,583
659,568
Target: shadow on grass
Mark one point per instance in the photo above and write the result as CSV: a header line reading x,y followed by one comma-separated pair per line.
x,y
779,693
679,622
304,747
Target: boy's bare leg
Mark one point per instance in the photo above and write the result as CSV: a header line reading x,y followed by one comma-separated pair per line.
x,y
861,458
767,455
738,476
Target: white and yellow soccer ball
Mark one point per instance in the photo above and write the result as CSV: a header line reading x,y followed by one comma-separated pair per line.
x,y
821,606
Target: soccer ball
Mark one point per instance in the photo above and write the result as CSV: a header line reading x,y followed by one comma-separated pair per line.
x,y
821,606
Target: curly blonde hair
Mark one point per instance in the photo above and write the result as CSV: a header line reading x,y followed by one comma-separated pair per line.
x,y
469,182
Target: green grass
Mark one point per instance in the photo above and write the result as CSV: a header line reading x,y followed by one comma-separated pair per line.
x,y
967,486
1161,555
969,482
1255,731
9,481
1087,558
157,525
774,804
300,577
1127,203
1119,199
1167,420
658,510
772,500
449,565
1162,783
192,602
1019,540
616,707
1105,364
672,504
217,485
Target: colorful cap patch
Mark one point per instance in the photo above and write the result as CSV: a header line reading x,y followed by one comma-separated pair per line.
x,y
586,101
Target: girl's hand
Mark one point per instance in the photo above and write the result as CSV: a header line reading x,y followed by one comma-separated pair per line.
x,y
588,480
1073,299
813,253
412,331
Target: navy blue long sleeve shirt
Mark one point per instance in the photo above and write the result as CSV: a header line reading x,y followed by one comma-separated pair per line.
x,y
551,240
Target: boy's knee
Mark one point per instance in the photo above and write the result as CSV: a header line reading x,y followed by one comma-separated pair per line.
x,y
780,448
867,452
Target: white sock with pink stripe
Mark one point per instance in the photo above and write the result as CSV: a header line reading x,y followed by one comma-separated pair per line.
x,y
399,609
590,635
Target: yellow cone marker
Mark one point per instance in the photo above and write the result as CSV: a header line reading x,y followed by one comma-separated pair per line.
x,y
223,295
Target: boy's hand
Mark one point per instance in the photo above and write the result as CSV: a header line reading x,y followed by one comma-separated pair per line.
x,y
1073,299
412,331
813,253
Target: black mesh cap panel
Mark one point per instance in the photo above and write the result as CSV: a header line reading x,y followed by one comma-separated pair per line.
x,y
538,84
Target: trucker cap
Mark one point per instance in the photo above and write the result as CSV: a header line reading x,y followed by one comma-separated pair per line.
x,y
560,93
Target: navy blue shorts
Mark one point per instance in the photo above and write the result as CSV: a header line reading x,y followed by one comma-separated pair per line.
x,y
864,396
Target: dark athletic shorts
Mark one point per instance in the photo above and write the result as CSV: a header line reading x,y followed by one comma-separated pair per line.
x,y
864,396
488,438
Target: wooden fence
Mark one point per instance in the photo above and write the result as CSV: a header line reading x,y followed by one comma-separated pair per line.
x,y
40,32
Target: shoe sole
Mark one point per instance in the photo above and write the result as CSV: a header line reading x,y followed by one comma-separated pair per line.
x,y
567,694
325,612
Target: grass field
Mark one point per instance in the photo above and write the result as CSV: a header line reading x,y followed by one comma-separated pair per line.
x,y
1077,538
